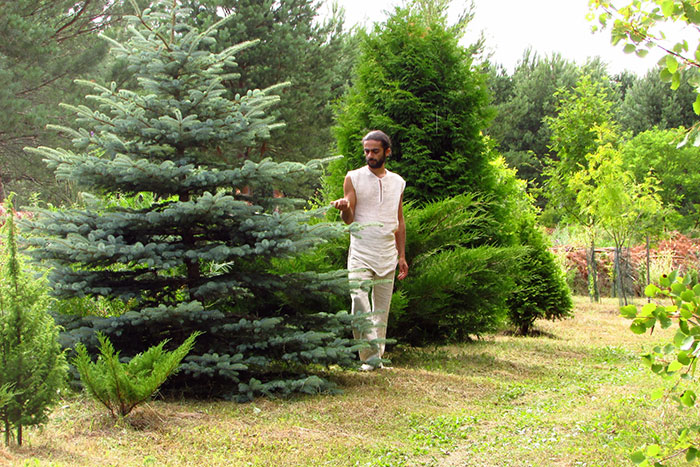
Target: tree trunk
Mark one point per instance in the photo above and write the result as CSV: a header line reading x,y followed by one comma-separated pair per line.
x,y
7,431
619,276
593,291
648,247
191,265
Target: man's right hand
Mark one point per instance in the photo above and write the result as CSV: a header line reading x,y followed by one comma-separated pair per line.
x,y
341,204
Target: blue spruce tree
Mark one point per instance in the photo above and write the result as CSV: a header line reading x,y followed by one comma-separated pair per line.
x,y
183,238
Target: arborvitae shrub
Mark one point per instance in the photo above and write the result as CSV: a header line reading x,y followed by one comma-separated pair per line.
x,y
458,282
540,290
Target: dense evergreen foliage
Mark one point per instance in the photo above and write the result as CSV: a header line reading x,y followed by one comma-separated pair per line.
x,y
540,290
119,386
185,241
415,82
44,46
32,364
651,103
458,283
314,57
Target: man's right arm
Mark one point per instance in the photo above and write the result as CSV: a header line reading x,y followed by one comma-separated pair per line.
x,y
346,204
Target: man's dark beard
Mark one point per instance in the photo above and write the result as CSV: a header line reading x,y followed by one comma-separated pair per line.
x,y
375,164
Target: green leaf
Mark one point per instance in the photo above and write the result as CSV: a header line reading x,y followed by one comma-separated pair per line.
x,y
665,321
657,394
676,81
696,105
671,64
629,48
638,457
672,276
674,366
667,7
696,289
688,398
683,358
629,311
679,338
686,313
684,329
687,343
691,13
691,454
687,295
647,310
665,75
638,327
651,290
653,450
677,288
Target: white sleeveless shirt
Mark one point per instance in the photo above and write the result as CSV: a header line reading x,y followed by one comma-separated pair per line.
x,y
377,200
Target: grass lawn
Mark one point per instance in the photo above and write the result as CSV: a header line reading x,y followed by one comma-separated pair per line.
x,y
577,395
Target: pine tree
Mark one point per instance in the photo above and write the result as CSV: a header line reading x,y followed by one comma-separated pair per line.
x,y
44,46
32,365
314,57
186,240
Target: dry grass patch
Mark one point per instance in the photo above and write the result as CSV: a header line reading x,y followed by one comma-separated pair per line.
x,y
566,398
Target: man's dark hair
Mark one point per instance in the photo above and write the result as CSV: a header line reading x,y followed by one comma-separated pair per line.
x,y
378,135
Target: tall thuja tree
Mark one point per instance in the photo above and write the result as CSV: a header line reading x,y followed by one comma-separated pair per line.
x,y
176,237
415,82
32,364
295,46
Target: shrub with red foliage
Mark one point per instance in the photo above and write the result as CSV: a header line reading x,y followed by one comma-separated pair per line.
x,y
683,251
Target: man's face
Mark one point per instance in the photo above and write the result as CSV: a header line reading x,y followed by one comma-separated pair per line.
x,y
375,154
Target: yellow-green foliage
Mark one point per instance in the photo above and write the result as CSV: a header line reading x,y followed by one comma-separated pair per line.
x,y
122,386
32,364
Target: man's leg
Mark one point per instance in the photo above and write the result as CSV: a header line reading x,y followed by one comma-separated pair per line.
x,y
381,301
361,305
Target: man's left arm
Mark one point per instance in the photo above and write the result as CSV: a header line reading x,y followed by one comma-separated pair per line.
x,y
400,236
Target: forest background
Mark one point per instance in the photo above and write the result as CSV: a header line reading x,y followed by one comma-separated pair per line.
x,y
193,223
48,45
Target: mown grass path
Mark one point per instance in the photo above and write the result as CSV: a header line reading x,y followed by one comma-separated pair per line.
x,y
577,395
